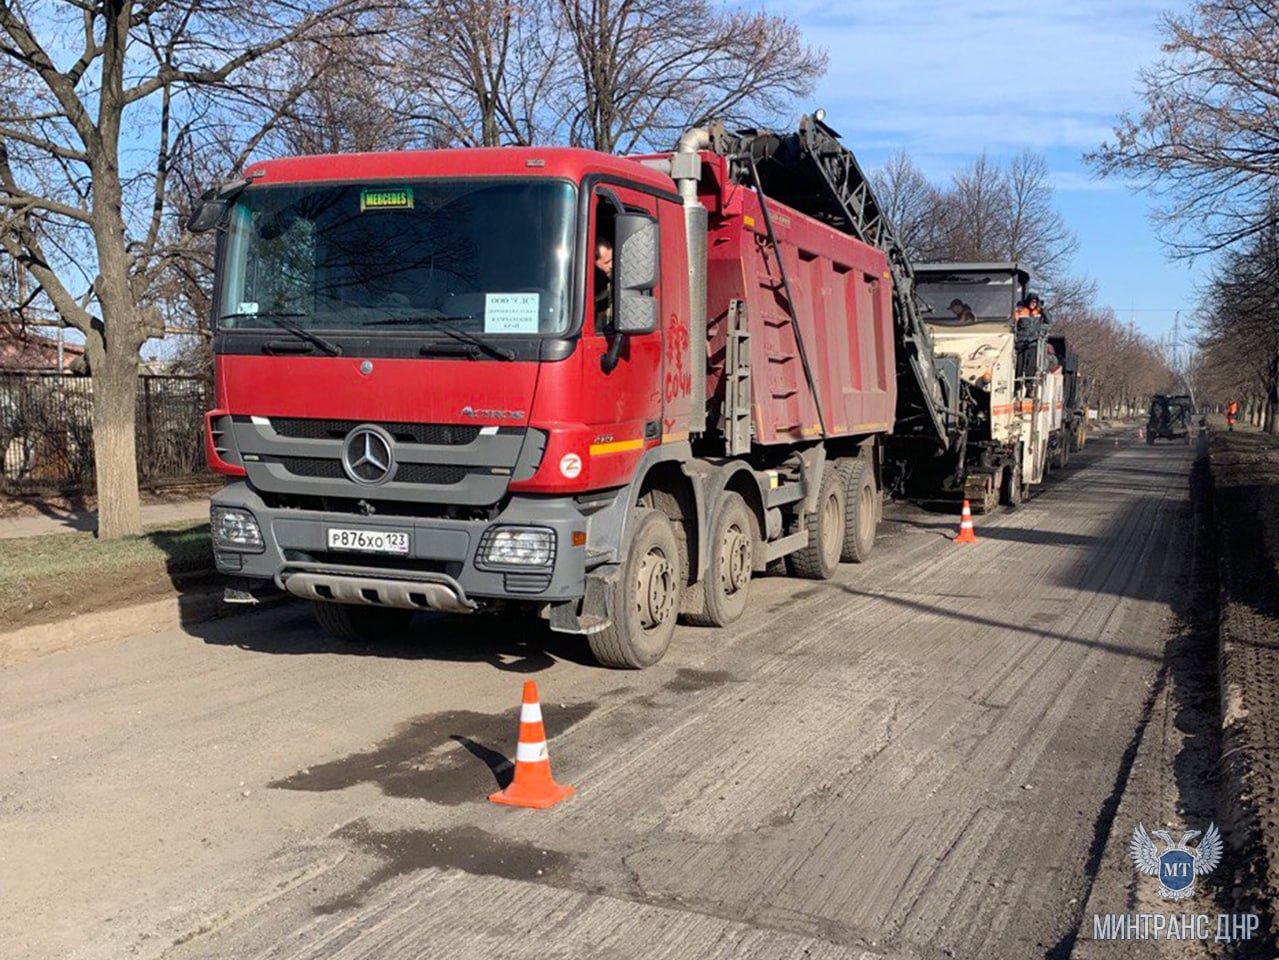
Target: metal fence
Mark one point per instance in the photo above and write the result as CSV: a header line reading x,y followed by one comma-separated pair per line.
x,y
46,431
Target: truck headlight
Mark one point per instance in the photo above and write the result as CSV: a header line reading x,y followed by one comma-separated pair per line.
x,y
235,530
516,547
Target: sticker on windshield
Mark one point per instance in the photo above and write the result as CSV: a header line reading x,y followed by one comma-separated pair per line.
x,y
511,312
394,198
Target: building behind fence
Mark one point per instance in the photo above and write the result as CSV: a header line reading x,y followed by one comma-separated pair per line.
x,y
46,431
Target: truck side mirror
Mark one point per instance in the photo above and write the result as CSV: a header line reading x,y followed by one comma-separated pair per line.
x,y
635,269
213,205
208,212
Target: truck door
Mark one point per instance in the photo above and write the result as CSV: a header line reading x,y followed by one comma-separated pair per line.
x,y
625,402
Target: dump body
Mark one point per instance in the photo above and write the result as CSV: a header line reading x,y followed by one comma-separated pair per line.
x,y
842,300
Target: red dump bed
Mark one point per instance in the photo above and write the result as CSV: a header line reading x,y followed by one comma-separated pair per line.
x,y
842,292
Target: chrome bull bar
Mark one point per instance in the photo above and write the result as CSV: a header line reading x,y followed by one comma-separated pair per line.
x,y
405,589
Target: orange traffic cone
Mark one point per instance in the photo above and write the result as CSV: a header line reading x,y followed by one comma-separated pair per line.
x,y
533,785
966,534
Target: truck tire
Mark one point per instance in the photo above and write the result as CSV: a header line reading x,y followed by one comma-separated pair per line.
x,y
646,596
730,549
861,512
357,624
819,559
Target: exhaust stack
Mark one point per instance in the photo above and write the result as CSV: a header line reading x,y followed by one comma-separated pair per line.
x,y
686,171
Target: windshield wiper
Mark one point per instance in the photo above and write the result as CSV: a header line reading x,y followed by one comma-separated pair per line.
x,y
282,320
443,324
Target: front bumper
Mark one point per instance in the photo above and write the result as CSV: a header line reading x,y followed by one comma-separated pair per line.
x,y
439,572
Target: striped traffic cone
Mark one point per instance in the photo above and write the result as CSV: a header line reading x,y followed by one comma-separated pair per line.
x,y
532,785
966,534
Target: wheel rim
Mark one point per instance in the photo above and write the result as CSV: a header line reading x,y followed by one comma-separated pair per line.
x,y
654,589
866,517
734,560
831,524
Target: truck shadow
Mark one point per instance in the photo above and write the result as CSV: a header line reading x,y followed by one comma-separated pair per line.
x,y
507,644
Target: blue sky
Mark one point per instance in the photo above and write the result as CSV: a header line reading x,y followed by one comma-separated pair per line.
x,y
947,80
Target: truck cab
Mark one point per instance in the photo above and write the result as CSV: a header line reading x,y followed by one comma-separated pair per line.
x,y
421,369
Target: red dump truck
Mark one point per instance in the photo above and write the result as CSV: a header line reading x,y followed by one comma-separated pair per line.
x,y
434,391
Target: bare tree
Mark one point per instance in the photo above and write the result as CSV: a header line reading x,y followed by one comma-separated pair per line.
x,y
987,212
642,71
1207,138
1122,367
70,167
973,212
481,73
1034,229
1240,325
913,205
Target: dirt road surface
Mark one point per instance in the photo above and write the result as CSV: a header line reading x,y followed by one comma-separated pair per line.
x,y
919,759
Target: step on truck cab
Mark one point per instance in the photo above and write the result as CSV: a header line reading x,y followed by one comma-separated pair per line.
x,y
597,390
1011,381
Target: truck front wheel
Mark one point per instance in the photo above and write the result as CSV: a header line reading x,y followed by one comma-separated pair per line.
x,y
825,525
728,566
861,512
357,624
646,596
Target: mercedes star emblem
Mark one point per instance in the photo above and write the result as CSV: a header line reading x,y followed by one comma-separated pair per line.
x,y
367,456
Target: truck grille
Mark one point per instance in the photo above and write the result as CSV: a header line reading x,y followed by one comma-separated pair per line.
x,y
404,472
441,434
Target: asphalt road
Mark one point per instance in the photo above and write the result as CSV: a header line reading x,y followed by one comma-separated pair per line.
x,y
920,758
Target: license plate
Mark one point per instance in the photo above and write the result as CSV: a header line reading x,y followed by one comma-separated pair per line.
x,y
368,541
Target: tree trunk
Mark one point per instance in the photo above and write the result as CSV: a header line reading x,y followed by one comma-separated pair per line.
x,y
115,388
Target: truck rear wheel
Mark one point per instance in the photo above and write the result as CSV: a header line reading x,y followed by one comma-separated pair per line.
x,y
825,525
357,624
861,512
731,549
645,596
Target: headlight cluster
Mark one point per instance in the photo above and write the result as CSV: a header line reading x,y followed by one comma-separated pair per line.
x,y
235,530
517,547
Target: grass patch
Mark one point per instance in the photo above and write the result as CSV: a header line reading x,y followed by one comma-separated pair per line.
x,y
68,557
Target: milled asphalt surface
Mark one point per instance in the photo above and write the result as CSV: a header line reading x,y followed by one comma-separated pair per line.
x,y
917,759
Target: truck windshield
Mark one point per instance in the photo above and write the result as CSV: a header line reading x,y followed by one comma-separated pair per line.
x,y
989,297
488,257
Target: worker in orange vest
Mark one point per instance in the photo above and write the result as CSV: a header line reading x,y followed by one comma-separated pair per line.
x,y
1232,410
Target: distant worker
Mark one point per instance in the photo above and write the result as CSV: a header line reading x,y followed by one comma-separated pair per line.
x,y
1232,411
959,308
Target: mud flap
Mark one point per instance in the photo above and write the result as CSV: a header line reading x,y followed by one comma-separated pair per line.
x,y
594,611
